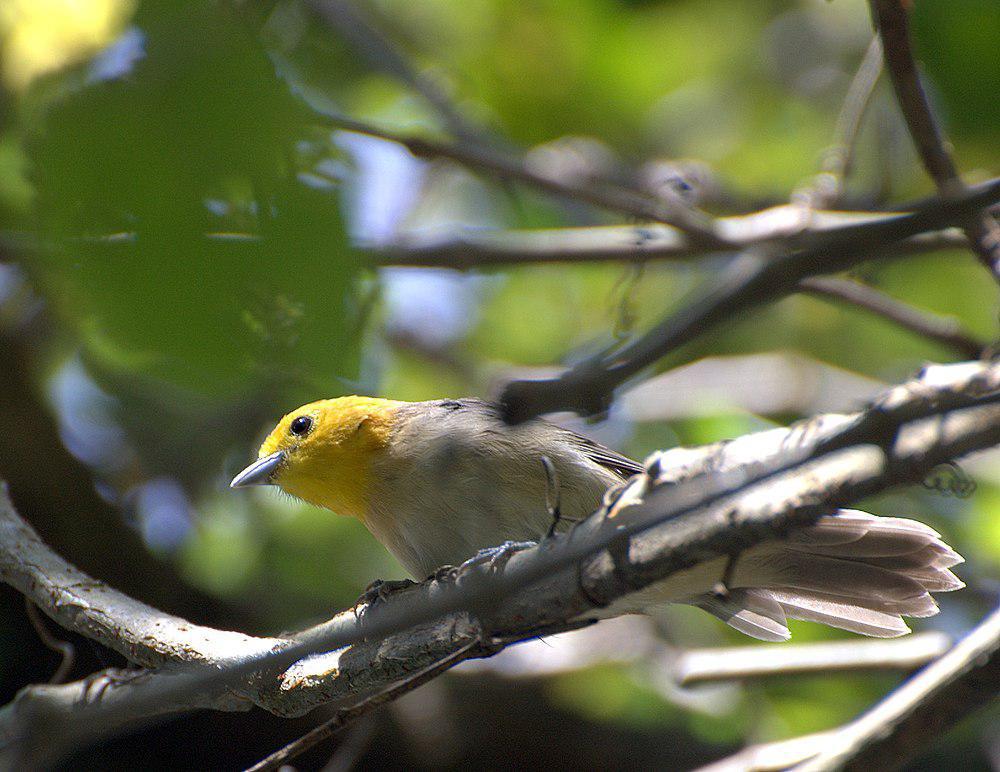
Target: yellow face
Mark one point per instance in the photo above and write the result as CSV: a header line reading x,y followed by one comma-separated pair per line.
x,y
326,451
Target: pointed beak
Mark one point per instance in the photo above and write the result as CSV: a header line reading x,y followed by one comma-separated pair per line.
x,y
259,472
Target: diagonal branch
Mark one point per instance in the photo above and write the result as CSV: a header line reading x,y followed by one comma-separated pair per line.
x,y
353,25
897,728
347,716
752,278
891,19
828,186
947,331
698,226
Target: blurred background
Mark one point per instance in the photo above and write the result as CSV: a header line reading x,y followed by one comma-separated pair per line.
x,y
188,250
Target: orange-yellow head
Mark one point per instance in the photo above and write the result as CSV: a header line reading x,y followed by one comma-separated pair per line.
x,y
323,452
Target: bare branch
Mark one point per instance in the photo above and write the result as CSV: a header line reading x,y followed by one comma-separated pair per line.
x,y
961,680
141,633
692,505
940,329
898,727
698,226
892,22
753,278
770,757
893,26
471,249
743,662
828,187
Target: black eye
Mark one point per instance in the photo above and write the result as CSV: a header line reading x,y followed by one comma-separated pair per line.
x,y
301,425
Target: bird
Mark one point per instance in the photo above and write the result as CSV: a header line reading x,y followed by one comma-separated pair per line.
x,y
436,482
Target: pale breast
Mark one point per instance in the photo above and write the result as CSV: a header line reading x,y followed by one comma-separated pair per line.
x,y
457,480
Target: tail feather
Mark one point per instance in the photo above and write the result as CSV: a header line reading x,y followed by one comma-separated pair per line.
x,y
932,556
780,568
936,579
752,612
859,534
851,570
845,616
922,605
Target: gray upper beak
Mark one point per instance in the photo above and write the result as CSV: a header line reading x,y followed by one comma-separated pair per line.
x,y
259,472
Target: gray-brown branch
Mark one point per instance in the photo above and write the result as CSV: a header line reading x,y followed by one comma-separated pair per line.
x,y
898,727
477,248
698,226
892,22
739,663
946,331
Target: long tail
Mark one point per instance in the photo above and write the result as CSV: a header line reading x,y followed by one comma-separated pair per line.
x,y
849,570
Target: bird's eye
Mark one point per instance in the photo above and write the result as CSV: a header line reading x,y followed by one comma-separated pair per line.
x,y
301,425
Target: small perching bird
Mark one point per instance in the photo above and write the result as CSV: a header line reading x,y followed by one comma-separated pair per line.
x,y
435,482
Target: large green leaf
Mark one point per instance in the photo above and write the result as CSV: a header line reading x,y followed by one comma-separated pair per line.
x,y
199,138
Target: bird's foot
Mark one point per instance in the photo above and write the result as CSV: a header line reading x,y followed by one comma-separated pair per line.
x,y
96,684
496,558
446,573
379,590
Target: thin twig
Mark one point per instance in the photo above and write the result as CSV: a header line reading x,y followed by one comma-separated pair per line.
x,y
697,225
891,19
63,648
696,666
897,728
947,331
753,278
772,756
352,746
346,716
478,248
828,187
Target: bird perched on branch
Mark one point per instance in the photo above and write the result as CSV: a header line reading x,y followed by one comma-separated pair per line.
x,y
436,482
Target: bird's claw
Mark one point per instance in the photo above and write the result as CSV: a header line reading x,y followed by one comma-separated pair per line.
x,y
444,574
96,684
378,591
495,558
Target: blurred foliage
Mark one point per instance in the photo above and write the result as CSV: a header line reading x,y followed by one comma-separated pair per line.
x,y
182,222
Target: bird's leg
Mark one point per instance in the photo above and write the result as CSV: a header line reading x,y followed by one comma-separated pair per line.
x,y
722,587
551,495
552,502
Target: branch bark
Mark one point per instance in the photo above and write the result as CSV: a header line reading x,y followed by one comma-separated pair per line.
x,y
473,249
897,728
744,662
690,506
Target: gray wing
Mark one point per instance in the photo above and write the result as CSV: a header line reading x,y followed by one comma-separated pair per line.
x,y
622,466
